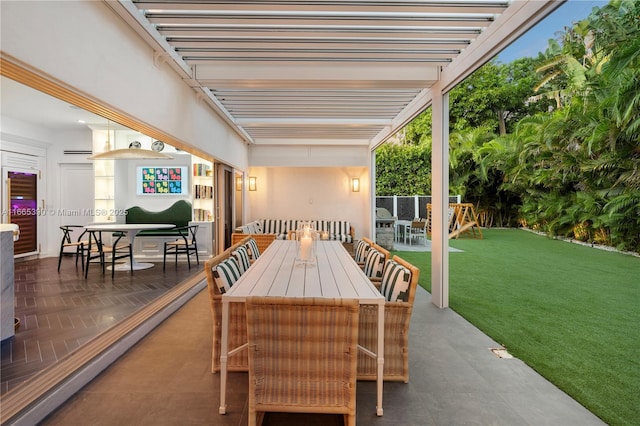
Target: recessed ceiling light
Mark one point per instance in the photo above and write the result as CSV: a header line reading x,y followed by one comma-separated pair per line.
x,y
81,121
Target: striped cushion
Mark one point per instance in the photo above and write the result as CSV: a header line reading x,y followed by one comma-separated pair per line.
x,y
323,225
374,263
395,282
252,247
345,238
339,227
226,273
361,251
273,226
289,225
242,256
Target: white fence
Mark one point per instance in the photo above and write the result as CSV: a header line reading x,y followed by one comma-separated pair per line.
x,y
409,207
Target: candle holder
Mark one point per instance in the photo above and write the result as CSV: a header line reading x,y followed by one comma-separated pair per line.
x,y
307,240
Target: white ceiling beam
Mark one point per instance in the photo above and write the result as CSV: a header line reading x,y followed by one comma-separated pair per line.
x,y
465,34
312,121
305,55
411,6
165,22
310,43
294,75
315,141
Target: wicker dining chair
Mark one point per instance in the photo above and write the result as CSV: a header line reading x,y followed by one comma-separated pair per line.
x,y
397,316
360,251
302,356
374,262
237,317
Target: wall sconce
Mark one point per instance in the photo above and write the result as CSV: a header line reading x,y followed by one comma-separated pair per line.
x,y
239,183
355,184
252,183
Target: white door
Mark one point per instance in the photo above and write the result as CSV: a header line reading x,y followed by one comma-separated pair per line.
x,y
76,195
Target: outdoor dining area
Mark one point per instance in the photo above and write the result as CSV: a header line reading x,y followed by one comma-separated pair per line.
x,y
455,378
307,319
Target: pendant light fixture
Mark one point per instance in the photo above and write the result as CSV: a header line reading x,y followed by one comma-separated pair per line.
x,y
127,153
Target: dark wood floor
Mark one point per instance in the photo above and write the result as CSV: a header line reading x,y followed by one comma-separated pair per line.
x,y
59,312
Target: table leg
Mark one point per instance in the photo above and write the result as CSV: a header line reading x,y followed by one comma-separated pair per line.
x,y
380,375
224,351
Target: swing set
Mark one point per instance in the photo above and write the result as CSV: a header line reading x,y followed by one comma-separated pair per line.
x,y
462,219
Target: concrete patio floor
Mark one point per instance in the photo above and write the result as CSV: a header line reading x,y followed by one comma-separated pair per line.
x,y
455,379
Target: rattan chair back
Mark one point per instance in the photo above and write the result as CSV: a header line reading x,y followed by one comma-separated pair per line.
x,y
302,355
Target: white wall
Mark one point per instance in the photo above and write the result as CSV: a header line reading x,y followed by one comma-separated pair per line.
x,y
311,193
309,156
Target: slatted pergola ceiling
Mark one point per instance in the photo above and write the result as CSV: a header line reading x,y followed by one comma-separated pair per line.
x,y
326,72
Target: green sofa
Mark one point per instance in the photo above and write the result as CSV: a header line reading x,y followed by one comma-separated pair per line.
x,y
179,213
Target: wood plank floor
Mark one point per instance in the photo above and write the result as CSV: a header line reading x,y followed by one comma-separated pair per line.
x,y
60,311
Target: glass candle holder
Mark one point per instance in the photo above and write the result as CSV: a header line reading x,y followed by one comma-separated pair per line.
x,y
306,237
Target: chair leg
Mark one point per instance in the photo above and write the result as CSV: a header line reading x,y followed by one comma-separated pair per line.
x,y
195,249
86,268
164,258
113,262
60,259
80,251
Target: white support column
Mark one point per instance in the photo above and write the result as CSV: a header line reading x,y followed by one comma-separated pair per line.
x,y
372,196
440,199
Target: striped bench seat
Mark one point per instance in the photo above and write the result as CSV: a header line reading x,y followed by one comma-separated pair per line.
x,y
339,230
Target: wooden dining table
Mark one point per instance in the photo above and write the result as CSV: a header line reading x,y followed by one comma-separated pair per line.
x,y
332,273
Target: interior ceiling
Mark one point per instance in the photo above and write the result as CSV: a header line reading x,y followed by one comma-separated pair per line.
x,y
324,71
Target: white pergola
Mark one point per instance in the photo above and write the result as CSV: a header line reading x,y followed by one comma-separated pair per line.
x,y
287,73
336,73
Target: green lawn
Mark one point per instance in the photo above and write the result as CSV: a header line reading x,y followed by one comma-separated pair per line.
x,y
570,312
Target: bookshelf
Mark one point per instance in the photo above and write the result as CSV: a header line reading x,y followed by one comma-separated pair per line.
x,y
202,191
